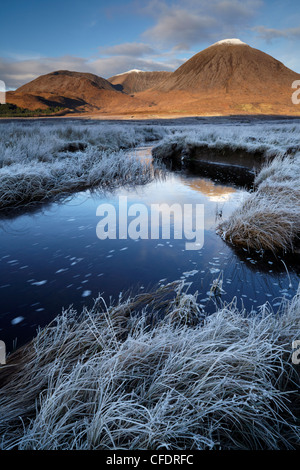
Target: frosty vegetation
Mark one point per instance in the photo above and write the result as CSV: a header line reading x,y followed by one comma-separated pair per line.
x,y
42,161
270,218
39,162
269,139
155,372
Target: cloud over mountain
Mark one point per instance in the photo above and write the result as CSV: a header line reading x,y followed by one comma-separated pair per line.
x,y
159,33
269,34
16,73
194,21
135,49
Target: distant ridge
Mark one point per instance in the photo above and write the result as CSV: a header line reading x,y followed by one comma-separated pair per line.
x,y
76,91
232,42
128,71
228,77
136,80
65,81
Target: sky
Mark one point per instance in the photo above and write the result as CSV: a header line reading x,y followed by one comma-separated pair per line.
x,y
111,37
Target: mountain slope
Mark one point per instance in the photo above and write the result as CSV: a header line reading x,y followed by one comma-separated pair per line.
x,y
231,66
229,77
77,91
66,82
135,81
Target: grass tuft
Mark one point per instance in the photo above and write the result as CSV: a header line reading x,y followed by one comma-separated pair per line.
x,y
155,372
269,219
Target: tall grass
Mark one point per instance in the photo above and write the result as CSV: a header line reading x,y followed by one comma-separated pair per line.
x,y
155,372
40,162
269,219
269,139
38,182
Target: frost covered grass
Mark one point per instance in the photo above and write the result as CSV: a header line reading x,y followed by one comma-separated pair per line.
x,y
267,139
155,372
269,219
39,162
41,182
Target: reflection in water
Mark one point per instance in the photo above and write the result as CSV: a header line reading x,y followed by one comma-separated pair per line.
x,y
216,170
214,192
52,258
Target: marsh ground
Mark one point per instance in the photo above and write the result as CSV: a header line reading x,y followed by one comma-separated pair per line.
x,y
51,258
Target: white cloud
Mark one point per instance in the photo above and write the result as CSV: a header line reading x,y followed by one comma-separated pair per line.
x,y
110,66
181,27
194,21
178,27
17,73
135,49
268,34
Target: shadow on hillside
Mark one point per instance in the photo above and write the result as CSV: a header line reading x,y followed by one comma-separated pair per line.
x,y
118,87
70,103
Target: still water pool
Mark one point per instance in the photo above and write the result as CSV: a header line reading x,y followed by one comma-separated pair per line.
x,y
52,258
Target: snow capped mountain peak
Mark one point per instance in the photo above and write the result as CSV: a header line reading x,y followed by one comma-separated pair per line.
x,y
233,41
129,71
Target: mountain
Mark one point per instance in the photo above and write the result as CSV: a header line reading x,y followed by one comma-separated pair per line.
x,y
227,78
76,91
65,82
231,66
135,80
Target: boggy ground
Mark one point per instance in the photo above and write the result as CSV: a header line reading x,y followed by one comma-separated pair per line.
x,y
269,218
155,372
43,160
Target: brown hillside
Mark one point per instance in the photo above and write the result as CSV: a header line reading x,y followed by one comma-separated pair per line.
x,y
80,92
65,82
230,67
33,102
136,80
228,77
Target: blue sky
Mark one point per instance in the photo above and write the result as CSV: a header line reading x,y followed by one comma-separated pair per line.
x,y
106,38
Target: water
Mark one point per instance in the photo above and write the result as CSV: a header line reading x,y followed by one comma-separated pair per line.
x,y
52,258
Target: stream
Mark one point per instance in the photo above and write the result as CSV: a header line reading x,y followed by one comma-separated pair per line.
x,y
52,258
